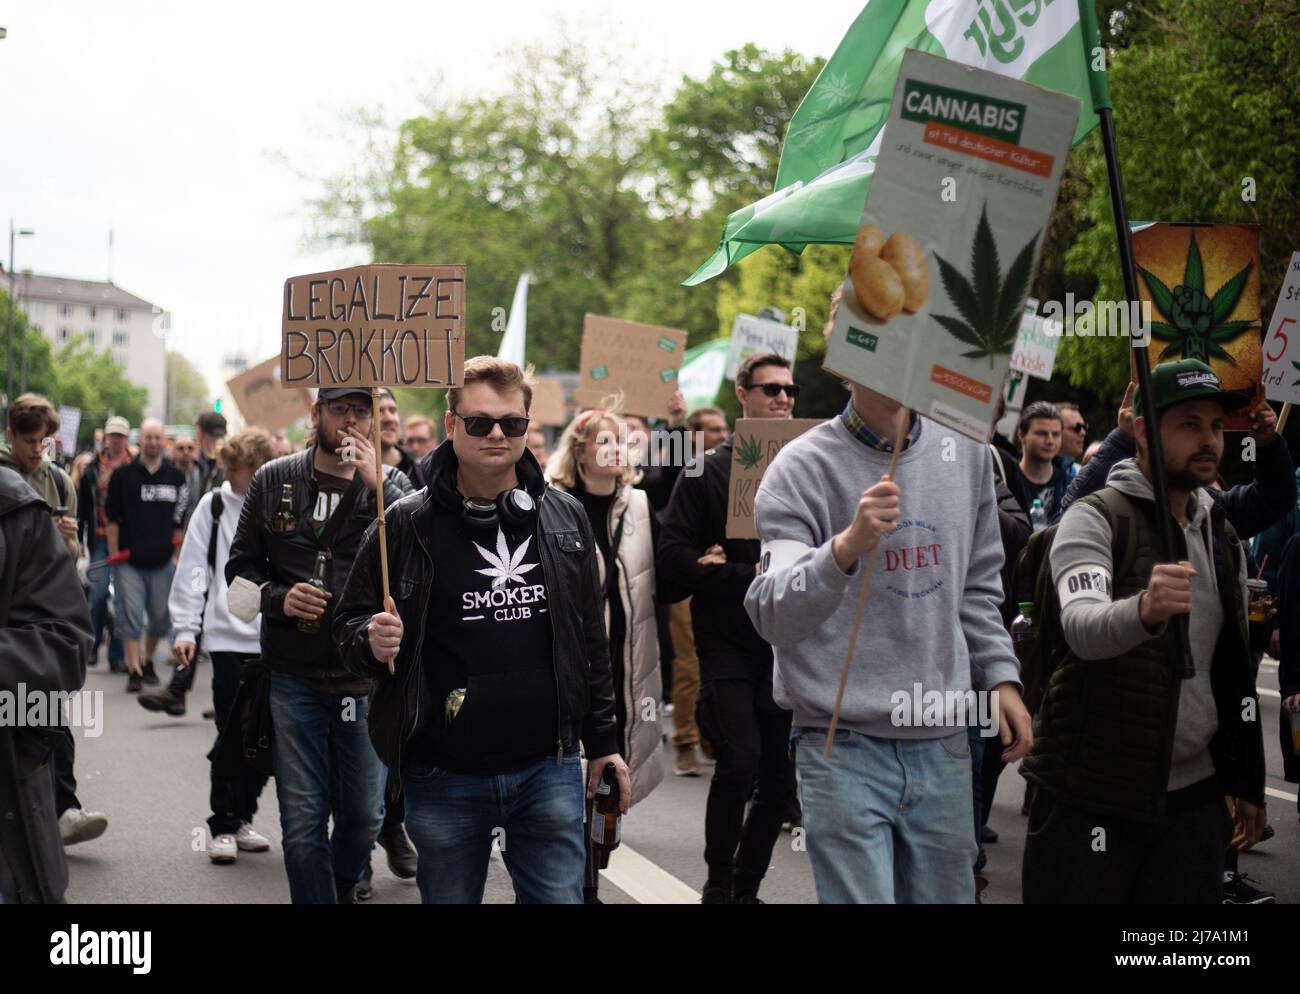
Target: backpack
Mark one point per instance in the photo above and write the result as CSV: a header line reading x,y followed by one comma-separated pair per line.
x,y
1032,581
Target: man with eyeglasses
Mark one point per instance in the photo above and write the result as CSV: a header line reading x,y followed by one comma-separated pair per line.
x,y
735,710
500,662
323,762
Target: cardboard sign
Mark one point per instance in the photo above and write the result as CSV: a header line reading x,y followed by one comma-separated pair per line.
x,y
381,325
641,360
1282,346
754,446
548,403
1203,284
262,403
950,238
1035,349
754,336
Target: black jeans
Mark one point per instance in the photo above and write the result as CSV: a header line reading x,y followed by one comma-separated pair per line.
x,y
750,736
1177,860
65,784
234,796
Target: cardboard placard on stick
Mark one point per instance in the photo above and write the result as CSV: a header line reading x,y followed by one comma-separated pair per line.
x,y
378,325
641,360
949,239
261,401
548,403
1203,284
1282,344
756,443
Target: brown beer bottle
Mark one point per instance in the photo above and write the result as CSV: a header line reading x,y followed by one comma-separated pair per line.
x,y
606,823
319,575
285,520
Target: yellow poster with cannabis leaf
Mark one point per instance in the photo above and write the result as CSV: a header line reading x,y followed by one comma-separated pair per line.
x,y
1202,282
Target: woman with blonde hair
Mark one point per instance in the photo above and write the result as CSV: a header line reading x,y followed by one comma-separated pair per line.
x,y
591,463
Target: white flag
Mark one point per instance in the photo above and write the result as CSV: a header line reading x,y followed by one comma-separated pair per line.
x,y
512,345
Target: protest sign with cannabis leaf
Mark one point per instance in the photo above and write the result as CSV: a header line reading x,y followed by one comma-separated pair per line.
x,y
757,442
1203,284
999,146
990,304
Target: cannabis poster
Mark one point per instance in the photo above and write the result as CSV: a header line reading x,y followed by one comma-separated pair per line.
x,y
950,238
1202,281
755,444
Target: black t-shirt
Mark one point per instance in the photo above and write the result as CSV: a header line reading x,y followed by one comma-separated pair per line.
x,y
147,508
329,490
488,634
1045,492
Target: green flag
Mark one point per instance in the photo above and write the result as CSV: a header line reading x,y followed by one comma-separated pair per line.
x,y
702,371
831,145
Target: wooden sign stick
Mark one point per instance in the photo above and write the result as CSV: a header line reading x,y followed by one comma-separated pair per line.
x,y
1281,418
899,434
389,606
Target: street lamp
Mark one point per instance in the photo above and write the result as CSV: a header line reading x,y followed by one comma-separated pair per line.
x,y
13,286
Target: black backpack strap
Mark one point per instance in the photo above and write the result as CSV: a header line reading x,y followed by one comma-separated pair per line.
x,y
59,485
217,506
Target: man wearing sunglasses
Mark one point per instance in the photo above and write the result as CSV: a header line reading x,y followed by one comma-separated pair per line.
x,y
500,663
735,710
323,762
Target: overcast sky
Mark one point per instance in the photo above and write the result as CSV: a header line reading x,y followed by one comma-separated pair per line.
x,y
187,128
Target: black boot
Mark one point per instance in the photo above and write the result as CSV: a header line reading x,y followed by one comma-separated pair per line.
x,y
401,855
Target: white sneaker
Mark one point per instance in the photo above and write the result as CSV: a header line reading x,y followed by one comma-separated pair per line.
x,y
250,839
222,849
78,825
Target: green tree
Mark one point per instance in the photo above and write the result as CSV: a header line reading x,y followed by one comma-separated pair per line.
x,y
188,393
1205,99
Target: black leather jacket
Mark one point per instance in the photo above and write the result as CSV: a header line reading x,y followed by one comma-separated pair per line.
x,y
276,562
401,704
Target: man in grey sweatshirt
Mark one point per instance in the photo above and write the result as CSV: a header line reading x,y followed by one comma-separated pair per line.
x,y
888,816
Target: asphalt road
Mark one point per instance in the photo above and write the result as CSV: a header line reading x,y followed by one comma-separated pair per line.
x,y
149,774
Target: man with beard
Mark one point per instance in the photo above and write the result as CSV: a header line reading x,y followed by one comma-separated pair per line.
x,y
1126,748
145,507
323,763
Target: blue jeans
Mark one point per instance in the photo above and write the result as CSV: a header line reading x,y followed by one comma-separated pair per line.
x,y
99,581
533,816
141,594
888,821
324,765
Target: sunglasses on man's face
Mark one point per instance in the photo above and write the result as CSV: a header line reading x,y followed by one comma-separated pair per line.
x,y
1081,428
340,408
480,426
774,389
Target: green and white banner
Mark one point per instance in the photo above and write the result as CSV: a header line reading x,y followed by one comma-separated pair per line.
x,y
834,138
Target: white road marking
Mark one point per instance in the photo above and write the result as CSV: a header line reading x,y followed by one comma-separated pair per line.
x,y
646,882
1274,792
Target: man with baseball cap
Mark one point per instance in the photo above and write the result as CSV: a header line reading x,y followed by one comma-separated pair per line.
x,y
1132,760
92,520
324,764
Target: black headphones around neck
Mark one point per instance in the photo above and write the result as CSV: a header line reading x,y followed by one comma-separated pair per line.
x,y
515,508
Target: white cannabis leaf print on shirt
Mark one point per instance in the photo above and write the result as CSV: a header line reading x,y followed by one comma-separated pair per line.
x,y
505,567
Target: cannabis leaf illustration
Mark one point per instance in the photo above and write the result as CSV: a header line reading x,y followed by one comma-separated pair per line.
x,y
749,452
505,567
989,303
1297,366
1196,325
